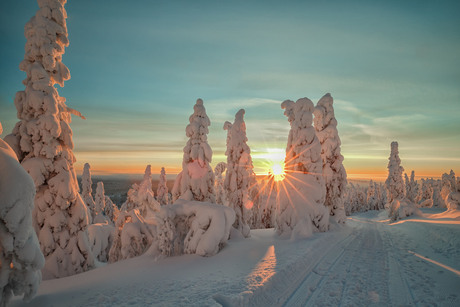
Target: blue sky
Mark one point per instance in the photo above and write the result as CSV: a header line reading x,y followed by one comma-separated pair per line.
x,y
137,67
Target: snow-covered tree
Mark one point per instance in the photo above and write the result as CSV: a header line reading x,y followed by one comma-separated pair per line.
x,y
43,143
394,182
100,204
333,170
20,256
162,190
133,236
411,187
240,174
425,194
453,199
111,210
372,196
141,196
196,180
86,187
301,207
221,197
448,185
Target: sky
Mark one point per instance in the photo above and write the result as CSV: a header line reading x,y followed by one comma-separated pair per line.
x,y
137,68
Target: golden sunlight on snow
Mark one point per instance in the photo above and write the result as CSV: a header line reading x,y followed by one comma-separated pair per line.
x,y
264,270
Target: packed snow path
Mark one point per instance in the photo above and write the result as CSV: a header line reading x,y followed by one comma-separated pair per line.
x,y
368,262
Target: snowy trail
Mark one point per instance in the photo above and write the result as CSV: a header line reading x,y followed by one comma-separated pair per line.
x,y
368,262
372,265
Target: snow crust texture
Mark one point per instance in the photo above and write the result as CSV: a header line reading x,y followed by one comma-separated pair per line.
x,y
20,256
42,140
196,180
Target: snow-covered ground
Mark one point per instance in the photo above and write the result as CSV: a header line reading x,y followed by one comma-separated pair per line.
x,y
367,262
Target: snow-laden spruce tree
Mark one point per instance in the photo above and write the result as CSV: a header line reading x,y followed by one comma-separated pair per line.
x,y
111,210
394,182
448,185
162,190
86,193
221,197
43,143
411,187
196,180
453,199
240,174
141,196
20,256
100,204
333,170
399,206
301,208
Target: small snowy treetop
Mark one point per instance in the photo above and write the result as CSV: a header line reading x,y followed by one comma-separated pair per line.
x,y
86,181
162,190
220,168
197,148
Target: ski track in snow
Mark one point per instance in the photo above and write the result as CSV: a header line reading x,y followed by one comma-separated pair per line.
x,y
368,262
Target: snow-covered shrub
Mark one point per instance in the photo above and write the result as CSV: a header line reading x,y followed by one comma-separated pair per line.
x,y
142,197
301,207
196,180
162,190
355,199
132,237
192,227
411,187
221,196
267,203
86,193
394,182
372,196
43,143
240,176
448,186
436,197
334,172
453,199
425,193
101,238
400,208
20,257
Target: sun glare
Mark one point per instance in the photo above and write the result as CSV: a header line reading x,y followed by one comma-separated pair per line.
x,y
277,170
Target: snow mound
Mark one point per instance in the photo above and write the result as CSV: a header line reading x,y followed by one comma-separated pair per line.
x,y
401,208
101,238
192,227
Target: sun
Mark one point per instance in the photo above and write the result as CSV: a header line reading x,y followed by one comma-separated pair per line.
x,y
277,169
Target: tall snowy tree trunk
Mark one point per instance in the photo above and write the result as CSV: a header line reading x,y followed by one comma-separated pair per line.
x,y
43,143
